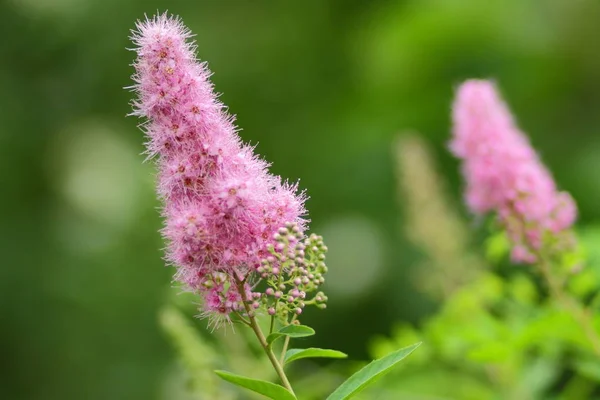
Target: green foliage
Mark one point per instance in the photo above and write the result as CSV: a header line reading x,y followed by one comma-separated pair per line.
x,y
590,368
297,354
293,331
271,390
196,354
199,355
509,332
500,336
497,247
370,373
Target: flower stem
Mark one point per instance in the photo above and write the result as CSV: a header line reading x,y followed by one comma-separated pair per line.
x,y
582,316
272,324
286,342
261,338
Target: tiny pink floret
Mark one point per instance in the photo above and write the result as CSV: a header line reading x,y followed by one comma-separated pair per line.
x,y
504,173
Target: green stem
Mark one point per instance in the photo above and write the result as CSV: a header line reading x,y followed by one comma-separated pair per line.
x,y
583,317
286,343
562,297
272,325
261,338
242,319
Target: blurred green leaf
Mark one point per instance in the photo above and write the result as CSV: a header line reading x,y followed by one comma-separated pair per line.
x,y
497,247
523,290
589,368
589,239
537,377
491,352
584,283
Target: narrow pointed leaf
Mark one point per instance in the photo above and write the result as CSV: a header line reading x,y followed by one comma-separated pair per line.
x,y
369,374
271,390
294,331
296,354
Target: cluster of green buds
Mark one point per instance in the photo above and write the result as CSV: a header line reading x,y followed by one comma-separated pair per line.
x,y
293,273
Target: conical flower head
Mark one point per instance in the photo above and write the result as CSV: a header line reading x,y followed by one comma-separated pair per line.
x,y
221,205
504,173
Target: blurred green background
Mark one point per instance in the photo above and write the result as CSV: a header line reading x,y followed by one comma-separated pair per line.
x,y
323,87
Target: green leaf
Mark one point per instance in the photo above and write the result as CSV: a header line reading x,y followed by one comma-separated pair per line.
x,y
265,388
296,354
589,368
369,374
294,331
497,246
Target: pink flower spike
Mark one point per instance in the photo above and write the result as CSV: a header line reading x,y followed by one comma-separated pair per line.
x,y
221,205
503,173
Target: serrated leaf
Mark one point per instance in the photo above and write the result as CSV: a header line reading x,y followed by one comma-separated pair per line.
x,y
269,389
294,331
369,374
312,352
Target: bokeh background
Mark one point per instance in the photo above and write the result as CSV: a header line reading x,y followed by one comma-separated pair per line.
x,y
323,87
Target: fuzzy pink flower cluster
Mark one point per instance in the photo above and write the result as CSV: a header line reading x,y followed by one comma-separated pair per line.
x,y
221,205
504,173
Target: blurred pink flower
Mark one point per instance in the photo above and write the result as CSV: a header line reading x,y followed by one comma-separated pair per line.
x,y
221,205
504,173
